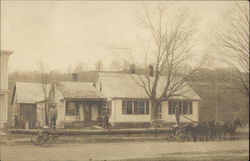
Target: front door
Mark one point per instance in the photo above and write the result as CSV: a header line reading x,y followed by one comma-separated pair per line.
x,y
87,112
81,111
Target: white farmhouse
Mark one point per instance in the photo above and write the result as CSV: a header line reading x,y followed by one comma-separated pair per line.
x,y
130,105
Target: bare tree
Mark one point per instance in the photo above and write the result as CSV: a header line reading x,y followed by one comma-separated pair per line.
x,y
116,66
80,67
45,81
99,65
171,51
126,65
232,41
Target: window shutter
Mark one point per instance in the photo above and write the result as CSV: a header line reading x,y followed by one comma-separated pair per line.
x,y
124,109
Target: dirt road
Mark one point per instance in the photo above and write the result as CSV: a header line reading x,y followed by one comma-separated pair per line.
x,y
115,151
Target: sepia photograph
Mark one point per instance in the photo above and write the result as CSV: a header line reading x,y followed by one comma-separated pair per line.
x,y
136,80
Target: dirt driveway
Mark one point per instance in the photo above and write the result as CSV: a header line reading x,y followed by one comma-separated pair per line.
x,y
117,151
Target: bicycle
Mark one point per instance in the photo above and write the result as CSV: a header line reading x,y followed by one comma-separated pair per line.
x,y
44,137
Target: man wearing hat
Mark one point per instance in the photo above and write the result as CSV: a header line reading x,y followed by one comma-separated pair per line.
x,y
105,118
53,115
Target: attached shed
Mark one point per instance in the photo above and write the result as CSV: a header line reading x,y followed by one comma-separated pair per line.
x,y
28,104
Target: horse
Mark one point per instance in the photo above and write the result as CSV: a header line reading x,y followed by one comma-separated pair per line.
x,y
218,130
211,130
202,130
191,131
230,127
205,130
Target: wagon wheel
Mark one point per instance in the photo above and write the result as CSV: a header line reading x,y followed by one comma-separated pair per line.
x,y
180,135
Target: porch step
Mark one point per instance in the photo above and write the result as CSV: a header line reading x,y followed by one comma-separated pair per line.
x,y
85,124
67,124
81,125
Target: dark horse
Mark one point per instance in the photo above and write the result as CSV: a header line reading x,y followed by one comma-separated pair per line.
x,y
192,131
230,127
206,130
203,130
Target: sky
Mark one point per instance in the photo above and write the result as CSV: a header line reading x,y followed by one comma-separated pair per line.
x,y
63,34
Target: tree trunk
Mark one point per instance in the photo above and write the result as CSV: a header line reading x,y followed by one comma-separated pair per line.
x,y
46,105
154,116
46,113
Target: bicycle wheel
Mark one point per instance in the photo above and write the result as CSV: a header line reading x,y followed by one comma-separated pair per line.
x,y
37,139
34,139
40,140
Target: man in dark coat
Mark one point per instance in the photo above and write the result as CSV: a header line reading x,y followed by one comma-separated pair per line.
x,y
105,118
53,115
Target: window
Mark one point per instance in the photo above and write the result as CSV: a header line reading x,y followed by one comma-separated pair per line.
x,y
72,108
147,107
171,107
127,107
185,107
135,107
190,108
141,107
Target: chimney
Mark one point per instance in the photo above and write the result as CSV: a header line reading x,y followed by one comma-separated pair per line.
x,y
151,70
132,68
75,77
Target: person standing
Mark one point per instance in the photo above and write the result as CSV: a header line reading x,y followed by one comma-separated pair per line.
x,y
53,116
105,119
177,115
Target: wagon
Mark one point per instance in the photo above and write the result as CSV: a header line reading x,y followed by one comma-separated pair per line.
x,y
180,133
177,133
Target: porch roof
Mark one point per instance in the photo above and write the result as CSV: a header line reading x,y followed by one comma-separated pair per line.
x,y
79,90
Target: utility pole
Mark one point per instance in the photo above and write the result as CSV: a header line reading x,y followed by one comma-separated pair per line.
x,y
215,93
216,105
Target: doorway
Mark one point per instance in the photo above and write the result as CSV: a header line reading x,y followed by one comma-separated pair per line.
x,y
87,112
27,115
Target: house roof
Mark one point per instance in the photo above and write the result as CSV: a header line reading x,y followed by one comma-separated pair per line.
x,y
116,85
79,90
27,92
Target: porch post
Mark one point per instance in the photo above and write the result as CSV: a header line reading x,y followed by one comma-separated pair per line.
x,y
64,109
